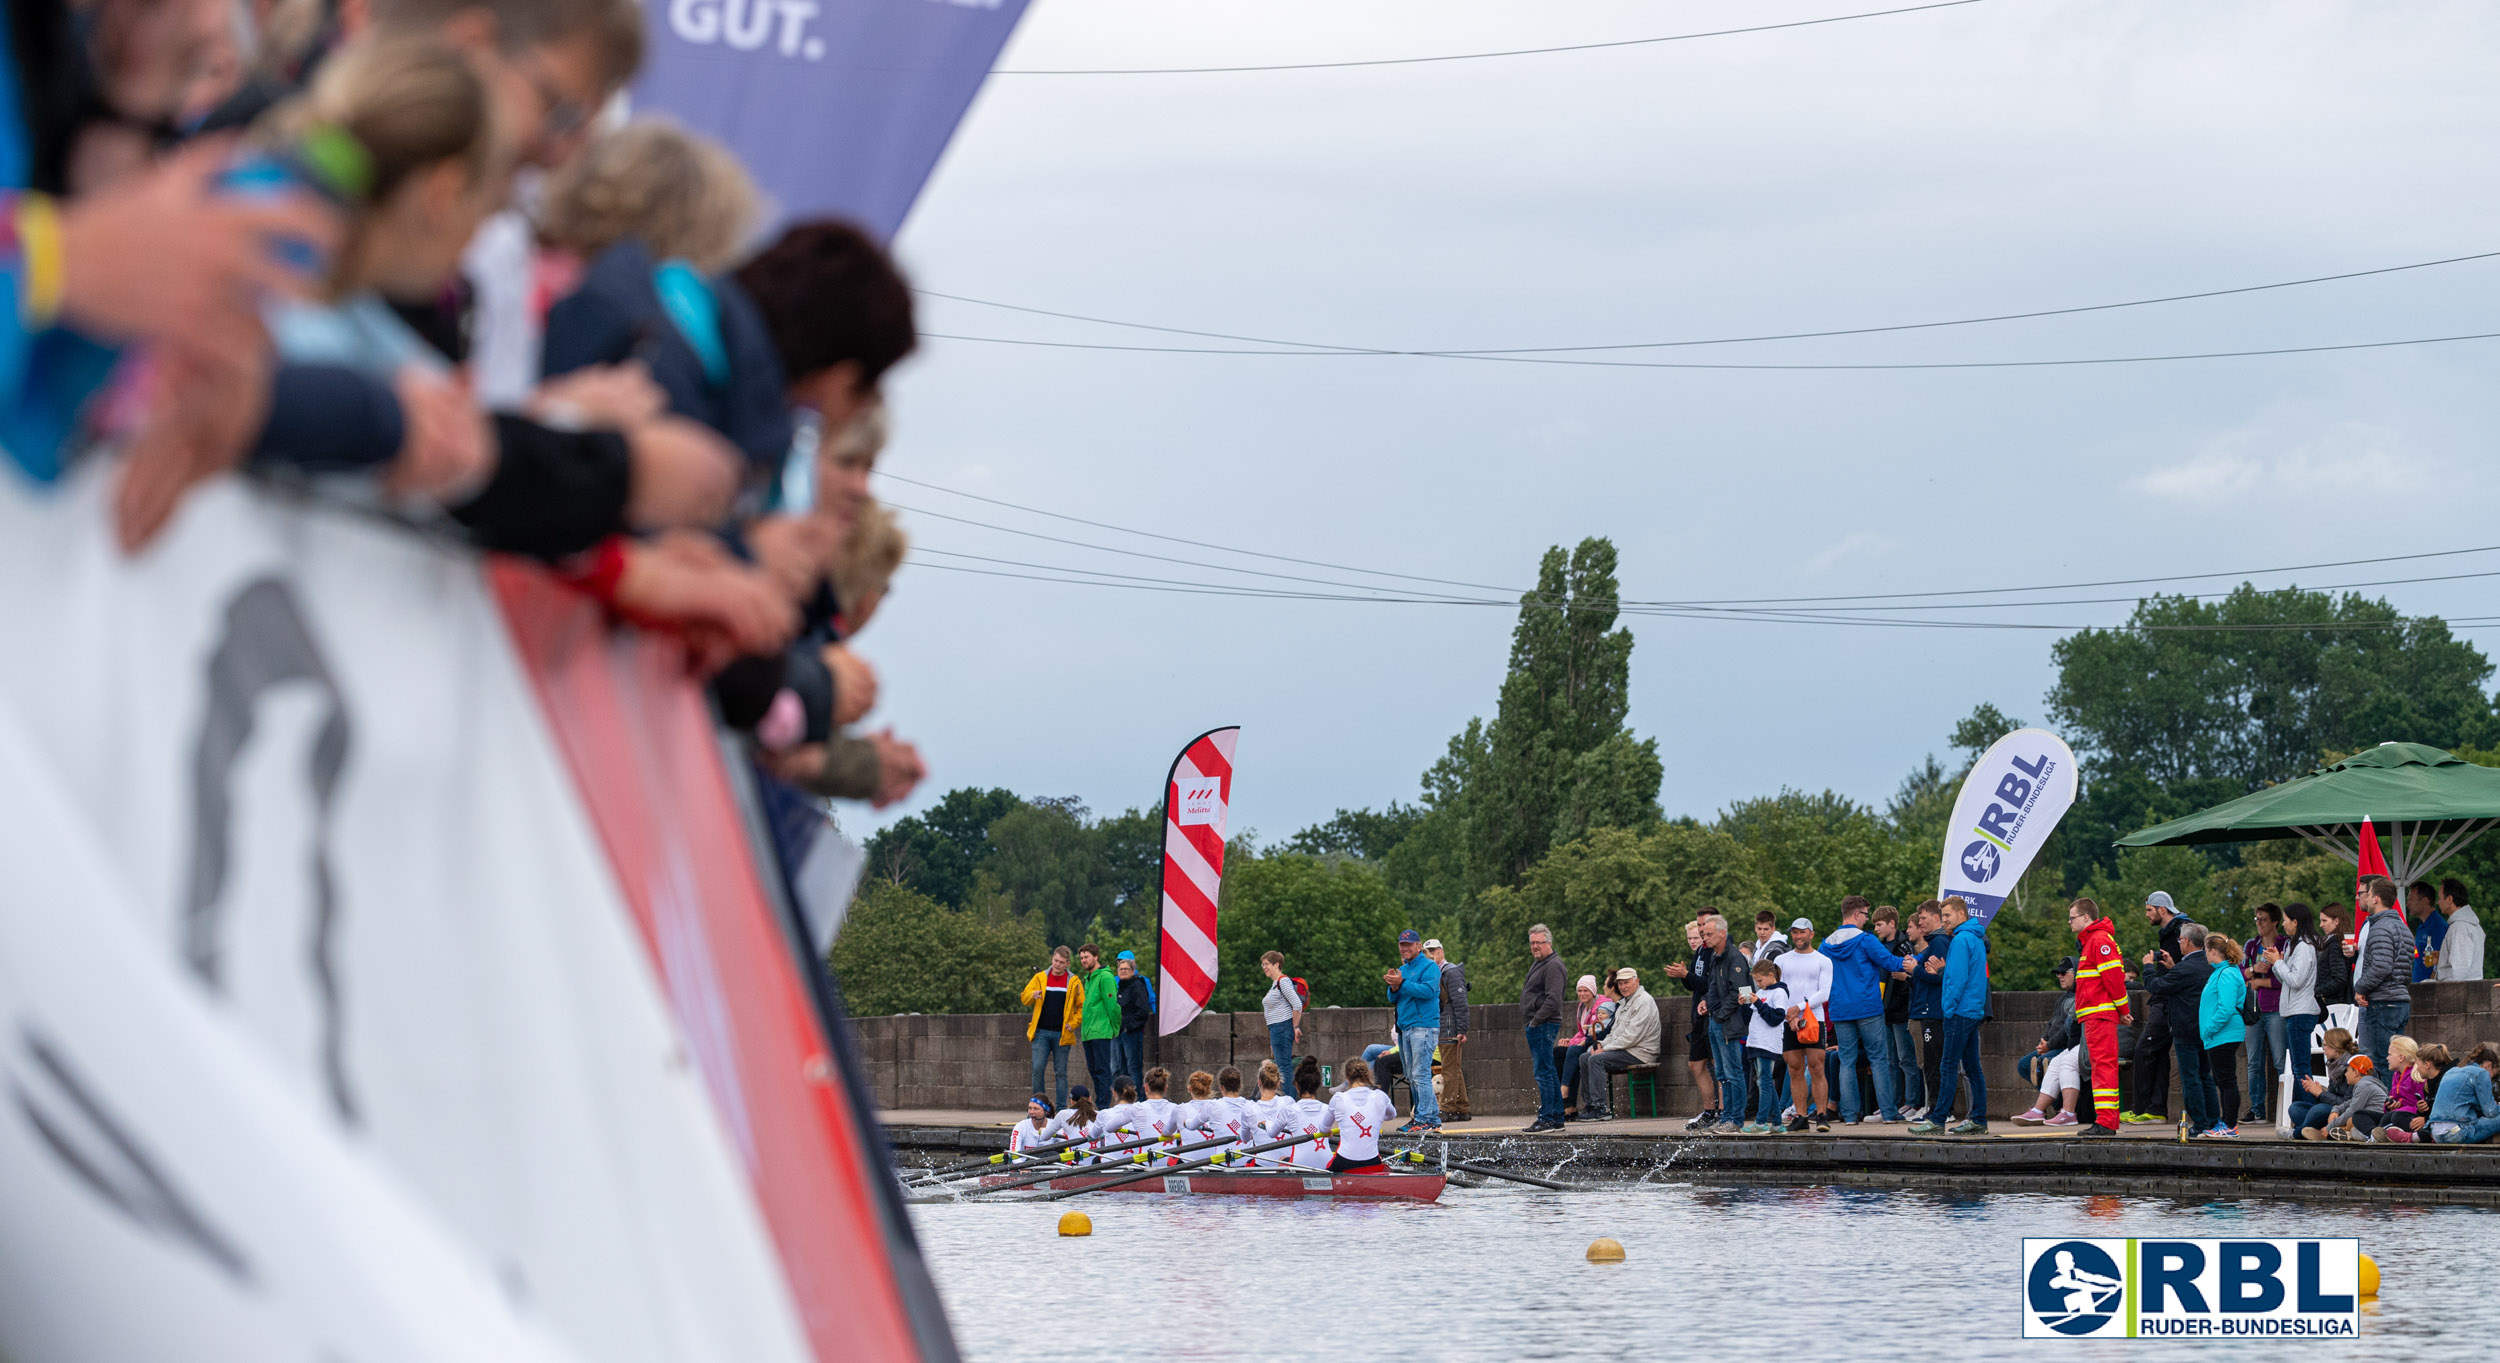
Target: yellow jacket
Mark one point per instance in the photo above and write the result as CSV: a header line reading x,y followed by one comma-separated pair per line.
x,y
1072,1020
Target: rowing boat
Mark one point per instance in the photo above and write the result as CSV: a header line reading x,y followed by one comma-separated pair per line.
x,y
1261,1183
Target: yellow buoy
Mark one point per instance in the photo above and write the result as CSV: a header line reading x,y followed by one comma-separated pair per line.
x,y
1076,1223
2369,1276
1605,1250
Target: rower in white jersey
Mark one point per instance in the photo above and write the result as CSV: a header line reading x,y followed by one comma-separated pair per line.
x,y
1116,1125
1263,1109
1358,1114
1202,1116
1157,1115
1039,1127
1305,1115
1236,1115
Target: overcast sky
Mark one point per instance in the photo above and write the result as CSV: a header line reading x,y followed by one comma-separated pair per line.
x,y
2001,156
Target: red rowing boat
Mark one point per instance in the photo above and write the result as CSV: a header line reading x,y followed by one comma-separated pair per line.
x,y
1262,1183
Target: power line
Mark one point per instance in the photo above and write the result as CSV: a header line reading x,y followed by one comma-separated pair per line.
x,y
1471,56
1700,365
1821,602
1451,353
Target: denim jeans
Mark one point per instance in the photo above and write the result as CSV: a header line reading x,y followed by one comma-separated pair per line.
x,y
1548,1074
2187,1051
1415,1050
2308,1112
1102,1061
1867,1034
1906,1077
1567,1066
1727,1064
1132,1060
2031,1065
1047,1051
2474,1132
1961,1049
1767,1069
2296,1030
1280,1045
2265,1062
2380,1021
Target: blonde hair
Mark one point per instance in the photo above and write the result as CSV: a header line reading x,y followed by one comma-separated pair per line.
x,y
2223,947
2403,1049
870,554
409,104
680,194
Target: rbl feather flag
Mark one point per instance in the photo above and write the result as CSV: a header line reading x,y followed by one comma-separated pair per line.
x,y
1196,793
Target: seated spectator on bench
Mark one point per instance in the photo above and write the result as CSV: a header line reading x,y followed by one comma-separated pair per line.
x,y
2465,1112
1597,1011
1631,1040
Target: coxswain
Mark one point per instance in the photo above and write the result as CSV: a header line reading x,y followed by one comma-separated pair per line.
x,y
1040,1124
1357,1115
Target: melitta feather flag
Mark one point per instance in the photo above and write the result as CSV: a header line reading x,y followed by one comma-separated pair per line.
x,y
2014,796
1196,794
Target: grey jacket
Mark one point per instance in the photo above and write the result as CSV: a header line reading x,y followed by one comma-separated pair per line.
x,y
2385,966
1546,997
1453,999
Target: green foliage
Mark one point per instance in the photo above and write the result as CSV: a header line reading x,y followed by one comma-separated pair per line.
x,y
1048,861
902,952
1364,833
1811,850
1335,919
1615,898
1980,731
937,853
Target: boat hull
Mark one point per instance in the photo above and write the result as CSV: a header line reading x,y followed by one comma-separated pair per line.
x,y
1285,1183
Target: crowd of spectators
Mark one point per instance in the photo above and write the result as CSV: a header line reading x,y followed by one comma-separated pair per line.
x,y
393,255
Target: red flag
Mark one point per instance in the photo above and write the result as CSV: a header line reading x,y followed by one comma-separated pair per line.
x,y
1196,794
2372,864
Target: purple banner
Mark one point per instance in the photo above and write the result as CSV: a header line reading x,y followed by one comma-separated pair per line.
x,y
837,106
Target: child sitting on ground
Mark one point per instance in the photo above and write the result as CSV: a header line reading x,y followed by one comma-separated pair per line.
x,y
2315,1098
2355,1117
2408,1098
2429,1064
1766,1045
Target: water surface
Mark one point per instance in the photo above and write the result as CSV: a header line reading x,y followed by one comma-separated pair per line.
x,y
1766,1273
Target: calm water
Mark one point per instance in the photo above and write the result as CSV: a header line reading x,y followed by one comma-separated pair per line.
x,y
1500,1275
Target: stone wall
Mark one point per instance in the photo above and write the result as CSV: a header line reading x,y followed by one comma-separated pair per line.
x,y
981,1062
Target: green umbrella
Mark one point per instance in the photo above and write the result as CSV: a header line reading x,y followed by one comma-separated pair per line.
x,y
2426,805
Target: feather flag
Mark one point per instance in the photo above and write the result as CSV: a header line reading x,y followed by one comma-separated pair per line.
x,y
1197,792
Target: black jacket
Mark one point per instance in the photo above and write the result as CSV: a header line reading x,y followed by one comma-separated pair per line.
x,y
1729,975
1135,1009
2180,990
2334,972
2170,942
1546,995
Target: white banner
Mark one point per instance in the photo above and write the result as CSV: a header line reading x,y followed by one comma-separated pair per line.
x,y
2009,804
302,743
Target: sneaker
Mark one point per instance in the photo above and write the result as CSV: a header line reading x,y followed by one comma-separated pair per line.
x,y
2061,1119
1851,1121
1702,1119
2396,1135
1409,1129
2219,1133
1788,1114
1913,1113
1755,1129
1823,1121
1597,1116
1572,1116
2032,1118
2140,1118
1924,1127
2094,1129
1729,1127
1968,1126
1797,1123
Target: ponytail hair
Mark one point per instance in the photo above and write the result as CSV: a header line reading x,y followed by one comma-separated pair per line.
x,y
1306,1076
1356,1072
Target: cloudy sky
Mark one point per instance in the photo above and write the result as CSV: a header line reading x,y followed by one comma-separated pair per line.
x,y
2000,156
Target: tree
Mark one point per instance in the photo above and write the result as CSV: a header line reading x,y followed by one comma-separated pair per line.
x,y
938,852
1617,897
901,951
1131,847
1048,861
1980,731
1335,920
1811,850
1367,834
1557,758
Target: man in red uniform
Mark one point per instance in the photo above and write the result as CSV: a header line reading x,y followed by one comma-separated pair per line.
x,y
2100,1005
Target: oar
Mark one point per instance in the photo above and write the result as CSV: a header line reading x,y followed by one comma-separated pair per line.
x,y
1023,1157
1181,1168
1489,1172
1062,1170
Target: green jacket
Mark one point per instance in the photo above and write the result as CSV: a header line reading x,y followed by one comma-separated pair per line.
x,y
1102,1005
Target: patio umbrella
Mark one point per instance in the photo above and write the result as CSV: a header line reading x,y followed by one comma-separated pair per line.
x,y
2427,805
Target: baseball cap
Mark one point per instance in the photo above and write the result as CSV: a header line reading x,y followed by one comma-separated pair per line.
x,y
1080,1091
1125,956
1432,944
2159,899
2064,964
1806,923
1409,936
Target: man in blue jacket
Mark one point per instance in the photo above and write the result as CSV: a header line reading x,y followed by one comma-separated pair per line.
x,y
1414,989
1964,971
1861,962
1926,1003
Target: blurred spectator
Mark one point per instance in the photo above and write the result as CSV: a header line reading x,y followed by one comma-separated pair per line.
x,y
1542,1003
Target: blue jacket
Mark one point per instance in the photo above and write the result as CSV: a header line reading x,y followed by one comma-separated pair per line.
x,y
1927,991
1966,972
1861,962
1418,999
2218,1014
2464,1096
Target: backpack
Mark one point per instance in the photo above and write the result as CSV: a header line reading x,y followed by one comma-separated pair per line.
x,y
1302,987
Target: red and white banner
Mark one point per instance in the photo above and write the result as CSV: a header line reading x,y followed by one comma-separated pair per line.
x,y
1196,796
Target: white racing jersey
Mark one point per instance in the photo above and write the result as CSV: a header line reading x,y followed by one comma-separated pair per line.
x,y
1115,1125
1301,1117
1360,1115
1239,1116
1027,1134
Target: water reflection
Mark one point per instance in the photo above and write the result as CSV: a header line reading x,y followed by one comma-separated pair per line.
x,y
1499,1274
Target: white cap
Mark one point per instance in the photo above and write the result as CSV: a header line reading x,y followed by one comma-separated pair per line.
x,y
1432,944
1805,923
